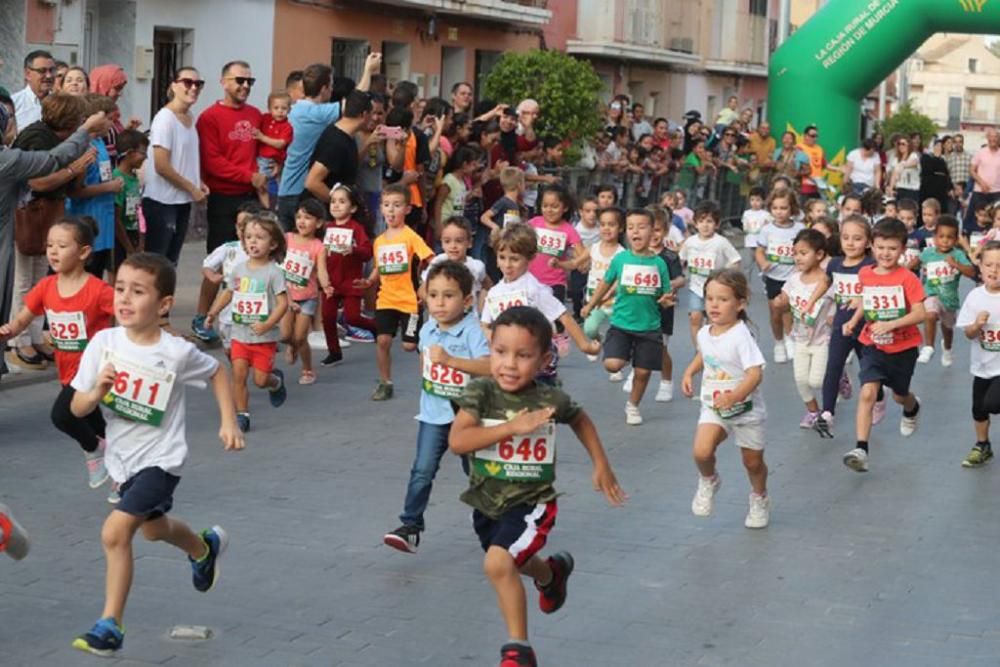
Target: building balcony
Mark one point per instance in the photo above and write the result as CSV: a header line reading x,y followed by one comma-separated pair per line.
x,y
528,13
980,117
740,44
651,31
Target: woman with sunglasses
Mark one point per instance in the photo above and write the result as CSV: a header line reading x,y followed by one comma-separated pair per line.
x,y
173,175
904,171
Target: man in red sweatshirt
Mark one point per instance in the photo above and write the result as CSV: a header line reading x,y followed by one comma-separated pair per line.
x,y
229,153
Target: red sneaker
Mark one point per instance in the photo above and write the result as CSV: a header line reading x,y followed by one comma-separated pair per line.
x,y
552,597
517,655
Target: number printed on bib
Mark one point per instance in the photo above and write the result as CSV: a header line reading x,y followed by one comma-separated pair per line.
x,y
131,205
641,279
140,393
940,273
339,239
551,241
977,239
511,217
701,264
780,253
104,166
989,337
67,330
883,303
298,266
908,256
250,307
712,389
798,299
441,380
846,286
520,458
392,258
497,303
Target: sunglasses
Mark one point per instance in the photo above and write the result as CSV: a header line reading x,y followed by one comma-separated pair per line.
x,y
247,81
43,70
812,134
197,84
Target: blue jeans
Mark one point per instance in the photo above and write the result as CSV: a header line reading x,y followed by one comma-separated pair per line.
x,y
432,443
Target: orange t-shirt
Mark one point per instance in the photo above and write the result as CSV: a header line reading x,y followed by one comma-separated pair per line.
x,y
890,296
410,164
394,253
817,163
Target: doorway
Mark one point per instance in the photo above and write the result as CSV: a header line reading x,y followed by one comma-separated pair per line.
x,y
348,57
395,62
171,48
452,68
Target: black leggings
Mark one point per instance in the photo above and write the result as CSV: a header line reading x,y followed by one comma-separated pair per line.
x,y
840,349
985,398
85,430
559,292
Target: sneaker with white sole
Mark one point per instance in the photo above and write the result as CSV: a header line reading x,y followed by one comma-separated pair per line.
x,y
617,376
632,416
665,393
627,387
824,424
878,412
14,541
759,514
926,353
780,353
97,474
908,425
947,358
592,358
704,498
856,460
808,420
844,388
790,347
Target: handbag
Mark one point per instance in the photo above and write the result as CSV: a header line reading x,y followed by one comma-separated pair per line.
x,y
32,222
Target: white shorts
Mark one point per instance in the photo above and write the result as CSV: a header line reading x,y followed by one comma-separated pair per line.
x,y
945,316
747,436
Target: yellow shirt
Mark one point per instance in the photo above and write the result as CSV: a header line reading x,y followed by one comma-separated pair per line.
x,y
394,252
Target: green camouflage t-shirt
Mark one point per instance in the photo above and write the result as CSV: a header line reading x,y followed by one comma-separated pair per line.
x,y
485,400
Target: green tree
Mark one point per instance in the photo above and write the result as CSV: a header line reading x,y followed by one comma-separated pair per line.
x,y
906,120
567,90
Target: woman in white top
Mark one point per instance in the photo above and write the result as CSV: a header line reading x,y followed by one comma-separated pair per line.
x,y
863,168
904,171
173,175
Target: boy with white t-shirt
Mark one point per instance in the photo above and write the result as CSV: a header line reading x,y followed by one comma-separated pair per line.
x,y
217,269
136,374
703,253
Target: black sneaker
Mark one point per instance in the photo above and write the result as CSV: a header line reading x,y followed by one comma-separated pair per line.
x,y
517,655
103,639
405,539
205,572
243,421
552,597
824,425
278,396
332,359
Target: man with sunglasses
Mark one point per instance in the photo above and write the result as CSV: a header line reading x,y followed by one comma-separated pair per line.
x,y
228,152
817,161
40,77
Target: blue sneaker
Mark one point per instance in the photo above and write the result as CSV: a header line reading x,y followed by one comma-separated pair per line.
x,y
201,332
357,335
278,395
243,421
205,572
103,639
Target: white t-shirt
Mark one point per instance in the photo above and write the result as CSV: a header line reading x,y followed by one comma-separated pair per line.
x,y
475,267
673,239
223,260
589,236
778,243
811,328
753,222
134,446
525,291
984,353
599,264
703,256
27,107
862,168
726,359
166,131
909,174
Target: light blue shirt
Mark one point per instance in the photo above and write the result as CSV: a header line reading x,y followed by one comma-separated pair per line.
x,y
465,340
102,207
308,120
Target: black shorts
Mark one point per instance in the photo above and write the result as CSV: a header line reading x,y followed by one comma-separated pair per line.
x,y
892,370
522,530
120,254
149,493
667,321
644,349
388,321
773,287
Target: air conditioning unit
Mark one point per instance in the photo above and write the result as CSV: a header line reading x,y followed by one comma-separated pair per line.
x,y
683,44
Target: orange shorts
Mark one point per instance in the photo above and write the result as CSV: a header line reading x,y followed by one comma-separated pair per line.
x,y
260,356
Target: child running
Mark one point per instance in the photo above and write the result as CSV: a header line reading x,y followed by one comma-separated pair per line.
x,y
217,269
395,273
892,305
304,266
611,222
131,146
943,263
137,375
731,401
77,306
980,320
811,319
259,300
907,214
642,286
704,253
776,260
753,220
589,229
456,241
453,347
507,424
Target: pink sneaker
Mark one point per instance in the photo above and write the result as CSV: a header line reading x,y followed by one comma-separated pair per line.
x,y
562,344
846,389
878,412
809,419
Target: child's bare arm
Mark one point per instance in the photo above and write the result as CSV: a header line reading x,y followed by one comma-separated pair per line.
x,y
229,432
468,435
17,325
85,402
603,478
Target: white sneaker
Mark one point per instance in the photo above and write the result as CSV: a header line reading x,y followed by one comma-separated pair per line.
x,y
780,353
947,358
926,352
790,347
856,460
760,512
627,387
632,416
665,393
592,358
908,425
704,497
617,376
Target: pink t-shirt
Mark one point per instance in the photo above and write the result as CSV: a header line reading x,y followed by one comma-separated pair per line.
x,y
295,264
987,164
553,242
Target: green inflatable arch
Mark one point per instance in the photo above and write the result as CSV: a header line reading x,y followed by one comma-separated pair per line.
x,y
822,72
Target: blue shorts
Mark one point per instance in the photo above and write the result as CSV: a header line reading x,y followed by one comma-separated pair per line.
x,y
148,494
308,306
522,530
696,304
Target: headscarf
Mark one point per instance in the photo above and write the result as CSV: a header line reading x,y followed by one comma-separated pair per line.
x,y
106,77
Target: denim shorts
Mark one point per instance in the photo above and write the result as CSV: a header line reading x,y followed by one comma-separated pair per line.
x,y
308,306
695,303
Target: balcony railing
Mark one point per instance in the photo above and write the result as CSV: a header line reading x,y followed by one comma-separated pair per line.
x,y
983,116
653,24
519,12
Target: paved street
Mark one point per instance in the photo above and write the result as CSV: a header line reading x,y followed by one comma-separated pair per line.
x,y
889,568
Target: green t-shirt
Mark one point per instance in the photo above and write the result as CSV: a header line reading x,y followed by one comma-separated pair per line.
x,y
507,474
940,278
641,281
128,199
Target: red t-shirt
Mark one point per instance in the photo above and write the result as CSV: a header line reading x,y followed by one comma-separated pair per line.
x,y
275,129
888,297
73,320
228,148
345,269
